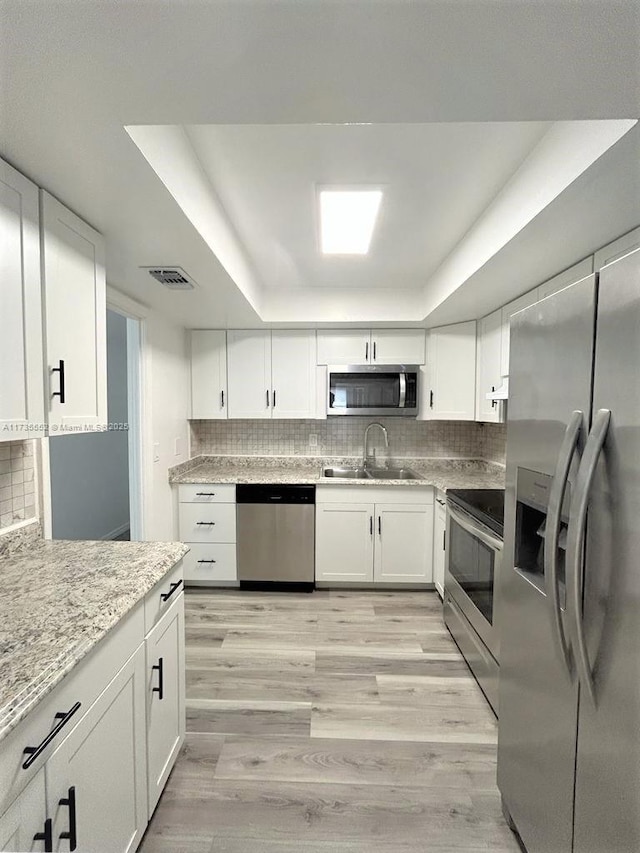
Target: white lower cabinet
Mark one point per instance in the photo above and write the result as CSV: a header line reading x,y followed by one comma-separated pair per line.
x,y
164,647
387,540
439,542
96,791
24,825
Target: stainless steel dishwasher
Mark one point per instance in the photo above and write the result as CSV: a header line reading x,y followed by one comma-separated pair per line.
x,y
276,536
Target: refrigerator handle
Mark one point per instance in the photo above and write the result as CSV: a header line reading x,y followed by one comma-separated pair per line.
x,y
554,512
575,543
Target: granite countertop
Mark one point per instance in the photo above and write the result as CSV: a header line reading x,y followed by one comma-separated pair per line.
x,y
59,600
442,474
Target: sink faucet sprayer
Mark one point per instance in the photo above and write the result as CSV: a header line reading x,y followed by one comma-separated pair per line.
x,y
365,455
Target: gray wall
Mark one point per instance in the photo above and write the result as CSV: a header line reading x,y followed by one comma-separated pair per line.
x,y
90,472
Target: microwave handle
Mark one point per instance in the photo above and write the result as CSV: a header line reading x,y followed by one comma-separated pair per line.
x,y
403,391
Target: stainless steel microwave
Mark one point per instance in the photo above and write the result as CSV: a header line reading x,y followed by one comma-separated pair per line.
x,y
390,389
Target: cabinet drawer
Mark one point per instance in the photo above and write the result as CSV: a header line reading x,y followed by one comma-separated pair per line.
x,y
207,493
208,523
83,685
162,596
209,562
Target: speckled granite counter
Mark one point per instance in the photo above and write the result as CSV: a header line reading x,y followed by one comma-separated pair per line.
x,y
440,473
59,600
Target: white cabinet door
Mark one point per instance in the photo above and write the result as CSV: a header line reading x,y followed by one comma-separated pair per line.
x,y
488,367
293,374
397,346
208,375
26,818
21,358
616,250
508,311
344,542
75,318
96,779
439,542
403,543
249,373
349,346
449,394
165,697
567,277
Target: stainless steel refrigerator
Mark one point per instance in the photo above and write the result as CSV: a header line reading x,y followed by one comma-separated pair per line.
x,y
569,594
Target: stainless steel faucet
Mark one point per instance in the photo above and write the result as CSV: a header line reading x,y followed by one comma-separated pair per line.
x,y
365,454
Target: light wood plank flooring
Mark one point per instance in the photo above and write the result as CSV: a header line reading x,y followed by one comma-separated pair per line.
x,y
335,722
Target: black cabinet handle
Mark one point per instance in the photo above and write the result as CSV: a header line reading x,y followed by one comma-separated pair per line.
x,y
34,751
205,494
431,399
206,523
374,350
206,561
371,525
160,688
274,398
165,596
444,540
379,525
59,369
46,835
366,351
70,801
222,399
267,398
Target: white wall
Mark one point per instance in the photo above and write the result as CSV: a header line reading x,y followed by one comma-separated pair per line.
x,y
166,400
90,472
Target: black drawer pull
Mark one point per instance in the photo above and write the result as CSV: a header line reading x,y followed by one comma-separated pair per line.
x,y
70,801
206,523
35,751
206,561
160,688
46,835
165,596
205,494
59,369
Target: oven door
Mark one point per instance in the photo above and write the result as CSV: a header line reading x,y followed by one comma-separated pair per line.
x,y
367,390
474,555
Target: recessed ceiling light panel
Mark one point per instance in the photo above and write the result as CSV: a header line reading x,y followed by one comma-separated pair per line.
x,y
347,220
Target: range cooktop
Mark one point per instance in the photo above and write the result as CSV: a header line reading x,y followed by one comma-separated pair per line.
x,y
487,505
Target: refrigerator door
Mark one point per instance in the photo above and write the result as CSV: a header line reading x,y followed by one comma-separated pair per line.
x,y
607,809
550,381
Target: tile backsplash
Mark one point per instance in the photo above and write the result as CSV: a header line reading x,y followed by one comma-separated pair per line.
x,y
17,482
343,437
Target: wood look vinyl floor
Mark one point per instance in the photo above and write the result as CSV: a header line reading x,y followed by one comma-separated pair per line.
x,y
334,722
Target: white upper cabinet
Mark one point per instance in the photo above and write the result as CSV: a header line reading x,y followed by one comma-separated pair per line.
x,y
249,373
293,374
350,346
488,367
208,375
618,249
448,391
75,319
397,346
508,311
566,278
376,346
271,374
21,359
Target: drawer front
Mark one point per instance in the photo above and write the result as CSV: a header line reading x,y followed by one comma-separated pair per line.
x,y
210,562
162,596
208,523
207,493
326,494
82,685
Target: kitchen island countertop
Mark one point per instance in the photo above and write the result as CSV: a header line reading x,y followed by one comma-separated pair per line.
x,y
60,598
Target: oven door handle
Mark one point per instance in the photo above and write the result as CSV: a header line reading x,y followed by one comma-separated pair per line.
x,y
490,541
403,391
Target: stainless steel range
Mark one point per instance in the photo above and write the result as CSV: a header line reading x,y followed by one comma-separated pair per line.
x,y
475,523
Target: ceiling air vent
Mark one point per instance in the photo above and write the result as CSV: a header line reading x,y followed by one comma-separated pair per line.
x,y
175,278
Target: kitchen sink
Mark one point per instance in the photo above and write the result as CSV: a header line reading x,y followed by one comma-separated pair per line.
x,y
346,473
371,473
393,474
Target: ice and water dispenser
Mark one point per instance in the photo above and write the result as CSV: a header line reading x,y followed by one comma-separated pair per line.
x,y
532,500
